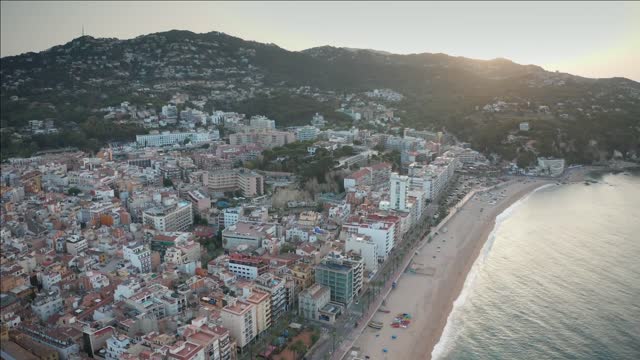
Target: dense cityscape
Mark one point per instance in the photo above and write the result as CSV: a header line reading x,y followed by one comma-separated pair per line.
x,y
182,245
172,194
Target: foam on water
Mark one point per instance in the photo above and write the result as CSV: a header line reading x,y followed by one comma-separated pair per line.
x,y
454,320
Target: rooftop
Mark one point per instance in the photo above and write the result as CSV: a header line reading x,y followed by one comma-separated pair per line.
x,y
239,308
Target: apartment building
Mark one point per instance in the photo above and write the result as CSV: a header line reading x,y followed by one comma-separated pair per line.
x,y
275,286
265,138
165,139
339,278
399,192
47,304
138,255
248,233
365,248
262,301
261,122
201,202
307,133
380,231
240,318
311,300
247,267
248,182
174,217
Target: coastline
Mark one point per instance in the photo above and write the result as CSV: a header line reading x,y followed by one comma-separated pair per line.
x,y
431,293
485,242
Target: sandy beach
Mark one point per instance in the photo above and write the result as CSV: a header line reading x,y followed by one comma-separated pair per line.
x,y
440,268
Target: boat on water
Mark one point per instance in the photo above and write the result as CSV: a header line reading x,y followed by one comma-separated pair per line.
x,y
375,325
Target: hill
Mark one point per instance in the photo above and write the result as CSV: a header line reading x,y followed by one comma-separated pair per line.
x,y
69,82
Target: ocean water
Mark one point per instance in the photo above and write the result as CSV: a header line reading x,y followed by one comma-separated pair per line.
x,y
559,278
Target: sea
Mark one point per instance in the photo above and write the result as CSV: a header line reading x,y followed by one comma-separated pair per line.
x,y
558,278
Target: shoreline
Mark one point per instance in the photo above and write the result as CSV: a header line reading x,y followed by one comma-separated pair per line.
x,y
484,240
431,298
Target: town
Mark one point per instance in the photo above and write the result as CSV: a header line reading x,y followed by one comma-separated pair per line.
x,y
222,236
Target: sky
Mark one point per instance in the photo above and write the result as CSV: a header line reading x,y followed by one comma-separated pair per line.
x,y
592,39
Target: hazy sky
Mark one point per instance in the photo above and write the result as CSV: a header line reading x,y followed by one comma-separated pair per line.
x,y
594,39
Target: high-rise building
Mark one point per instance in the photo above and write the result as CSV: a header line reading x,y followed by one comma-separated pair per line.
x,y
240,318
262,301
343,276
399,190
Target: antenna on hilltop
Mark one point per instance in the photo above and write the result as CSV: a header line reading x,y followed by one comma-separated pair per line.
x,y
83,30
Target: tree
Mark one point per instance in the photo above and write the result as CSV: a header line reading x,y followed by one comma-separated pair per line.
x,y
525,159
73,191
166,182
287,248
298,348
315,337
199,220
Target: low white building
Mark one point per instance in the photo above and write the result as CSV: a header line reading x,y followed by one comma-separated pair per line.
x,y
552,167
116,346
168,138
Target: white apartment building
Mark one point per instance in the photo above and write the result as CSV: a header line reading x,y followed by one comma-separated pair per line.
x,y
126,290
433,178
116,346
138,255
231,216
176,217
381,233
45,305
76,244
307,133
399,192
261,122
50,279
165,139
366,248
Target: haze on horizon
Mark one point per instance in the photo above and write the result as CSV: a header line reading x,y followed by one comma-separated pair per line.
x,y
592,39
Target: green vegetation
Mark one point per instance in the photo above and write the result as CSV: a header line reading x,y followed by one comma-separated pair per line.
x,y
293,110
74,191
166,182
213,248
199,220
441,93
287,248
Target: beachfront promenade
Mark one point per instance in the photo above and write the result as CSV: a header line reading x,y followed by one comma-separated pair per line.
x,y
348,342
439,272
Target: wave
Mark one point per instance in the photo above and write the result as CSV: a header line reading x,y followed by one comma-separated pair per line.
x,y
454,322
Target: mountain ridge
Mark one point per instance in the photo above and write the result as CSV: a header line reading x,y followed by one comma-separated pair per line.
x,y
70,81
